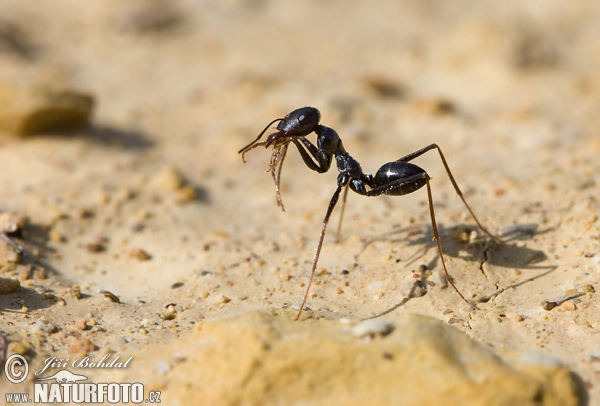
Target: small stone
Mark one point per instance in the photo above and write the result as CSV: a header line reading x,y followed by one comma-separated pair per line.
x,y
588,288
186,194
569,305
139,254
55,236
109,296
8,255
34,109
83,214
96,247
372,328
81,324
9,285
46,328
83,346
432,106
75,292
169,314
384,88
168,179
461,234
40,273
518,318
225,299
17,347
12,222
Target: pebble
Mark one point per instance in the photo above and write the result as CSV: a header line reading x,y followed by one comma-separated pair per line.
x,y
34,109
81,324
432,106
45,328
109,296
373,327
75,292
588,288
139,254
8,256
12,222
169,314
55,236
83,346
168,179
95,247
17,347
9,285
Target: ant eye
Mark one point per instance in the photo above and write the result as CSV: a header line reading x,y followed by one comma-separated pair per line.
x,y
301,118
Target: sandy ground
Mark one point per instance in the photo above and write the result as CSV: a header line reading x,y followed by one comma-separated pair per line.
x,y
509,91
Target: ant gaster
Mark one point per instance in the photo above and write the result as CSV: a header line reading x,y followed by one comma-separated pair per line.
x,y
395,178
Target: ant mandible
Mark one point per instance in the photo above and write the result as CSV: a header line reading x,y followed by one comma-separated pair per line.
x,y
395,178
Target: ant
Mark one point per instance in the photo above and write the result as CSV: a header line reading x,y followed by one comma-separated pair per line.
x,y
395,178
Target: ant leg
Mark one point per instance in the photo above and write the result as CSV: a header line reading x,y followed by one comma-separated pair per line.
x,y
452,180
306,157
396,184
332,203
437,240
254,143
339,229
323,160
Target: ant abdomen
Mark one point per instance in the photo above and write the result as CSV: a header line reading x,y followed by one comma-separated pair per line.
x,y
393,171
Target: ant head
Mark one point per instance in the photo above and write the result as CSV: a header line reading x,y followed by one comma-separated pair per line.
x,y
298,123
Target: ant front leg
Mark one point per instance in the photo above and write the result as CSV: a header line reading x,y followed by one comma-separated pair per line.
x,y
319,158
315,158
420,152
342,182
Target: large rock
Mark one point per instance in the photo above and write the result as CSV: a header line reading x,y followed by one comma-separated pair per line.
x,y
31,109
265,359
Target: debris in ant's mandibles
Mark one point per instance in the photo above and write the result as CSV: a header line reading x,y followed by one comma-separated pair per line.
x,y
396,178
550,304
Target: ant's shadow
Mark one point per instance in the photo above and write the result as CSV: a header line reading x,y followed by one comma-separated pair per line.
x,y
491,256
506,255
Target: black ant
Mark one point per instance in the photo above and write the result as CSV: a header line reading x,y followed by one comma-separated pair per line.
x,y
395,178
